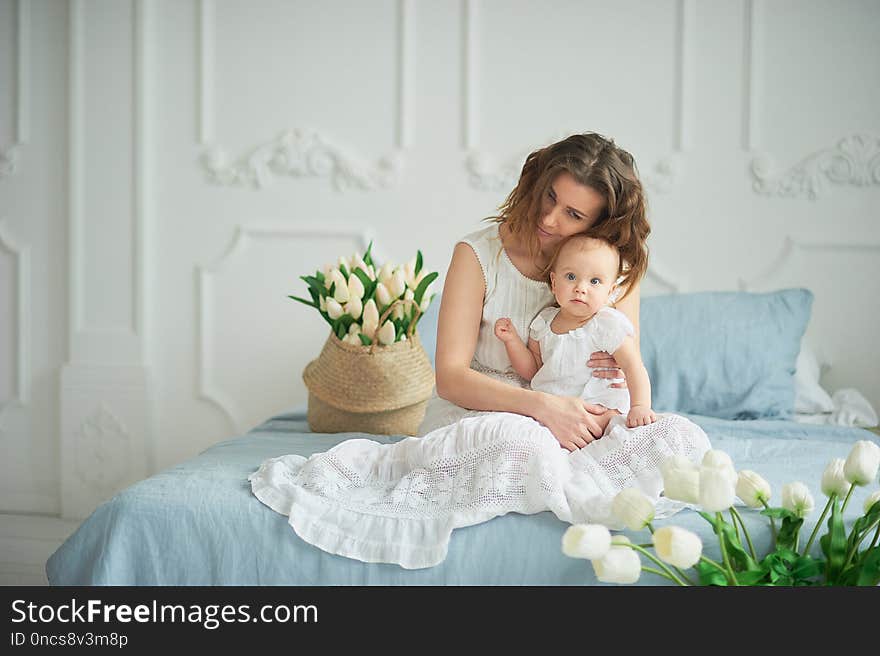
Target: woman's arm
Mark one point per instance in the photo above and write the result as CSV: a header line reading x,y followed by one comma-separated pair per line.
x,y
458,328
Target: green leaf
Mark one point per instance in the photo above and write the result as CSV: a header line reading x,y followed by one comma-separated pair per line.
x,y
418,262
752,577
862,524
368,256
340,329
870,569
302,300
320,276
777,513
788,534
735,551
343,270
709,518
833,544
420,290
366,341
709,574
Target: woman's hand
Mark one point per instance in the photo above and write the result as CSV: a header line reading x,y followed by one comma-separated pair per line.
x,y
605,366
570,419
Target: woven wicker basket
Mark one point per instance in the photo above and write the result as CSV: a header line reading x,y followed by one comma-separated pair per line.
x,y
382,390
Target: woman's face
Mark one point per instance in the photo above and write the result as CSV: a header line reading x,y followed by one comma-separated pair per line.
x,y
568,207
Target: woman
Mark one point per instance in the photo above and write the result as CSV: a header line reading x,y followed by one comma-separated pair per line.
x,y
582,183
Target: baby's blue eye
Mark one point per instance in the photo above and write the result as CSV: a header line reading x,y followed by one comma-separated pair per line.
x,y
595,281
569,276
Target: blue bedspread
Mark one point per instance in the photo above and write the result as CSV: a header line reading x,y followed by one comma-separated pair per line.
x,y
198,523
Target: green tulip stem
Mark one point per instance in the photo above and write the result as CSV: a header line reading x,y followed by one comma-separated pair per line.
x,y
772,522
653,570
717,566
730,575
659,562
819,523
734,513
650,527
733,521
858,541
876,535
846,501
683,576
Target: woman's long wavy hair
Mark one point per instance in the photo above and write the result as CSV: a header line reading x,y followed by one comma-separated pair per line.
x,y
597,162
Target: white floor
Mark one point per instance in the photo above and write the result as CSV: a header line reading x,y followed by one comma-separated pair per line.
x,y
26,542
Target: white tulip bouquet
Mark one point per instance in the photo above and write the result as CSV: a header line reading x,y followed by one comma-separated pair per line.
x,y
364,304
713,486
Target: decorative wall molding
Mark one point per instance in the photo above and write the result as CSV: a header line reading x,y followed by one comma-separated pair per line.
x,y
484,171
855,160
304,152
789,246
9,156
103,447
21,254
208,389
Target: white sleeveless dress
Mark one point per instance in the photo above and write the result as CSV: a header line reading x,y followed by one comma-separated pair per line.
x,y
399,503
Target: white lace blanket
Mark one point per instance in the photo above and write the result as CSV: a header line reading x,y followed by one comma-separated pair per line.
x,y
398,503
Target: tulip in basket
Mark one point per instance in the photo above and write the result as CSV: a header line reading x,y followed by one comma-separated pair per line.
x,y
373,375
839,557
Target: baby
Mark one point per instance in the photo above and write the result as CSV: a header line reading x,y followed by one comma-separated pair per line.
x,y
583,274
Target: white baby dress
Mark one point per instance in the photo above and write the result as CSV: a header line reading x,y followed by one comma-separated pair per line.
x,y
562,357
399,503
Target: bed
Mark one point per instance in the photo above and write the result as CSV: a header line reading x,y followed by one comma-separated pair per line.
x,y
199,524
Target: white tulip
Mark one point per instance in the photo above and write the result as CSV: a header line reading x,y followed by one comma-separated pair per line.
x,y
720,460
357,262
402,337
340,292
796,497
834,479
352,339
354,329
871,500
425,303
383,295
717,488
409,295
633,508
334,309
385,273
355,287
397,284
354,307
322,303
371,272
619,565
397,312
620,539
343,262
677,546
681,479
862,463
329,275
370,318
386,333
586,541
327,270
409,273
752,489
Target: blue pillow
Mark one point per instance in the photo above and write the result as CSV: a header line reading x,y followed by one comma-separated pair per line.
x,y
724,354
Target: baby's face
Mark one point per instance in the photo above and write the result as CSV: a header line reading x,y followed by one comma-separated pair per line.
x,y
583,278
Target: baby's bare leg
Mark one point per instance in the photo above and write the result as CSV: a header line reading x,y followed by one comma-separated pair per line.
x,y
604,419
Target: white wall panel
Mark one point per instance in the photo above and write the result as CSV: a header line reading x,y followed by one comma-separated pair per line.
x,y
119,119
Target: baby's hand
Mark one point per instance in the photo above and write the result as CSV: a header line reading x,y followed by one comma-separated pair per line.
x,y
504,330
640,415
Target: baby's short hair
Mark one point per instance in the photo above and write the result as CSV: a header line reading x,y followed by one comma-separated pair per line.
x,y
583,240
